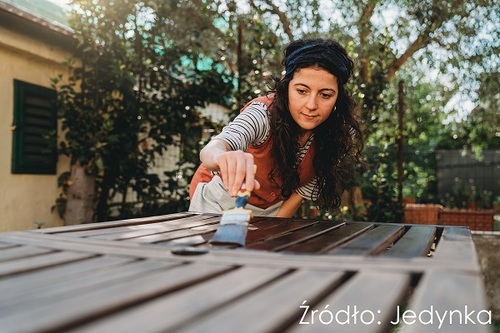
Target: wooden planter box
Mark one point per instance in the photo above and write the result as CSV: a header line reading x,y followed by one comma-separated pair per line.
x,y
481,220
422,213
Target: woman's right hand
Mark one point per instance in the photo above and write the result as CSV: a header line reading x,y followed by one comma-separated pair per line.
x,y
236,167
237,171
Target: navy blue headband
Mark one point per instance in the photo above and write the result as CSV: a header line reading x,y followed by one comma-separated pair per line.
x,y
332,60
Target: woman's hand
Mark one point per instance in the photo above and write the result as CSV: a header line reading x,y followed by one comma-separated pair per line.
x,y
237,171
236,167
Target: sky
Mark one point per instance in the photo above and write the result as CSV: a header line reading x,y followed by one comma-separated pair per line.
x,y
61,2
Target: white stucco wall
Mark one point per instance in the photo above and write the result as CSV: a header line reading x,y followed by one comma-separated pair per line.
x,y
25,198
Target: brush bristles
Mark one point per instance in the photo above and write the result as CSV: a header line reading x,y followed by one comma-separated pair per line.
x,y
230,234
233,227
236,216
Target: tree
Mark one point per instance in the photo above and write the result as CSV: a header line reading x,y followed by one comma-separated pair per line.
x,y
135,93
480,130
144,61
446,38
384,35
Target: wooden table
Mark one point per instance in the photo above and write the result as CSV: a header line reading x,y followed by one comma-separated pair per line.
x,y
159,274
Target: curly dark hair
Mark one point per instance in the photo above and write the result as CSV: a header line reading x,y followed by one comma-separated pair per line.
x,y
338,141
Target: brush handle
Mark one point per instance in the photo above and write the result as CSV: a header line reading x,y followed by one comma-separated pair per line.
x,y
243,194
242,198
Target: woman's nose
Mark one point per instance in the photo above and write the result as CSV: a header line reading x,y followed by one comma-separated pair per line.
x,y
311,103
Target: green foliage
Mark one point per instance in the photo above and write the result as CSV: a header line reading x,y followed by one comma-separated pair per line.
x,y
379,184
135,94
465,195
148,66
39,224
481,129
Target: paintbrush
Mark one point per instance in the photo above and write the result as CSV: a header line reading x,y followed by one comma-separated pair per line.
x,y
234,222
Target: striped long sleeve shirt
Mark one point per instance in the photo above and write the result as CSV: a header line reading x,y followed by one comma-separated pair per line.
x,y
252,127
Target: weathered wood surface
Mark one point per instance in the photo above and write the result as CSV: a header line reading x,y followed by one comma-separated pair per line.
x,y
128,276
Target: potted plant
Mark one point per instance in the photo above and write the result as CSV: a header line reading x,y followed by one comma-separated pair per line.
x,y
496,204
469,207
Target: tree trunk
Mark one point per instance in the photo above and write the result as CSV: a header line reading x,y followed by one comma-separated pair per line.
x,y
81,197
400,139
353,199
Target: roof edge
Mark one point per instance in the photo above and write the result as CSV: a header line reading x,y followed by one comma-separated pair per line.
x,y
26,15
14,18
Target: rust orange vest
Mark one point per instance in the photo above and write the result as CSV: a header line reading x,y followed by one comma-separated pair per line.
x,y
269,192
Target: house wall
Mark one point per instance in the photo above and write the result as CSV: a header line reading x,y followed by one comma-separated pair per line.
x,y
25,198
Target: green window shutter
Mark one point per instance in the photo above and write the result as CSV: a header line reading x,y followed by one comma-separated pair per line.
x,y
34,148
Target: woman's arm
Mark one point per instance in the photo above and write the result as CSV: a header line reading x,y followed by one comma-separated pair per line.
x,y
210,153
289,206
225,152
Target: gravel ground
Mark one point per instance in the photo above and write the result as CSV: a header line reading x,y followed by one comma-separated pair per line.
x,y
488,250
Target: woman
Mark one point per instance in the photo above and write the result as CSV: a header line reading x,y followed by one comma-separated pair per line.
x,y
302,141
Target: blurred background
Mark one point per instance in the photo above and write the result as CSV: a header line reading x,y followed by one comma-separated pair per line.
x,y
106,104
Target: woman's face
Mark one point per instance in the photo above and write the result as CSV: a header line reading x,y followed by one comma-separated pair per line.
x,y
312,94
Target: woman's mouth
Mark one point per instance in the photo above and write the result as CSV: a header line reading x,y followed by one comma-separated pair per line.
x,y
309,117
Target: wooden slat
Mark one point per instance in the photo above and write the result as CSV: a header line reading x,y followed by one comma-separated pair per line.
x,y
416,242
445,291
6,245
93,304
62,242
21,252
178,234
117,231
276,230
262,221
268,309
32,263
456,244
295,237
165,313
89,281
194,240
371,242
266,224
30,282
332,239
370,298
161,228
114,224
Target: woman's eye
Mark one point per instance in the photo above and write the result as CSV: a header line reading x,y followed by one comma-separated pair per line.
x,y
301,91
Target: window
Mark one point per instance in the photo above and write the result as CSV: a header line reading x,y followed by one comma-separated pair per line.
x,y
35,129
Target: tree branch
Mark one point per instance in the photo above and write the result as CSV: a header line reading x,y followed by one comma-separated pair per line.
x,y
276,11
421,42
436,21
